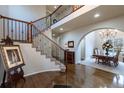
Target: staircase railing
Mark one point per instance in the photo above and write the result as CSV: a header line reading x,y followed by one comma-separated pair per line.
x,y
22,31
31,32
47,46
17,30
60,13
41,41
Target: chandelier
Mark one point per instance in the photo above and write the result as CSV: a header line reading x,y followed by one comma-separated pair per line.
x,y
108,34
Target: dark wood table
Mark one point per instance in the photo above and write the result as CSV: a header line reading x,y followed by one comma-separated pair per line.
x,y
107,60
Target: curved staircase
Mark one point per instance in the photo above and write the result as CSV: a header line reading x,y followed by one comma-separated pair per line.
x,y
32,32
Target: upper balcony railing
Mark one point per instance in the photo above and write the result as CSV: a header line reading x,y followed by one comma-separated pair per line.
x,y
17,30
60,13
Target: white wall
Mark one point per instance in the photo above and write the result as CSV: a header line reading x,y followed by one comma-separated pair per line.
x,y
89,45
4,10
23,12
82,44
34,61
77,34
80,51
27,12
86,46
1,69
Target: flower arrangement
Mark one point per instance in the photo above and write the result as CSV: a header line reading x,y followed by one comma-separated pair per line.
x,y
106,46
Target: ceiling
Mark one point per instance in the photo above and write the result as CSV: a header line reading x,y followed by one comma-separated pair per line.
x,y
105,11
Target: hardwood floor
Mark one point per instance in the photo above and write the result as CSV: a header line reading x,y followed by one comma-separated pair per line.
x,y
77,76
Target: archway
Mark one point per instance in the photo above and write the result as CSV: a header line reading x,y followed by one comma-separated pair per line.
x,y
93,39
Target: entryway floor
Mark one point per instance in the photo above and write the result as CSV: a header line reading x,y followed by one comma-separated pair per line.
x,y
77,76
117,70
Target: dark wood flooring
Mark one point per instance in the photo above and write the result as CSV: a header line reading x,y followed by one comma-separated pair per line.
x,y
78,76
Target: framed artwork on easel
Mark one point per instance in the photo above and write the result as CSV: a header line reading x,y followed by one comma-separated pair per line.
x,y
12,60
12,56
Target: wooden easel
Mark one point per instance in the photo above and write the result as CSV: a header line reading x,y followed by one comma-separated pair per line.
x,y
3,81
12,79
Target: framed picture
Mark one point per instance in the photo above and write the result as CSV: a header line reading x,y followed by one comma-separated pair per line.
x,y
71,44
12,56
118,42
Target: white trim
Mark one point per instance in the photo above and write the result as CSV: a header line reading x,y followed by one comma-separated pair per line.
x,y
41,72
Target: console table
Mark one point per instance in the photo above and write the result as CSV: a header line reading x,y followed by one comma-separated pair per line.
x,y
70,57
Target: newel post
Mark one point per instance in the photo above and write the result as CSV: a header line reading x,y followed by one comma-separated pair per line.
x,y
50,20
29,33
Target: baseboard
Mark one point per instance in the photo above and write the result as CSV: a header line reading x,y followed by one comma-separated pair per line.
x,y
41,72
78,62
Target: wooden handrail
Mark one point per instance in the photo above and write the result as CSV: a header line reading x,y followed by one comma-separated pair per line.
x,y
47,15
35,20
31,24
11,25
0,16
48,27
70,13
14,19
53,13
40,19
47,37
56,10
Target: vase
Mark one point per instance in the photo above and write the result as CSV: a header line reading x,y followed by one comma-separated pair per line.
x,y
107,52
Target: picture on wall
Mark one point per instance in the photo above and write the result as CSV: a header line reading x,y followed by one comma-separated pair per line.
x,y
12,56
71,44
118,42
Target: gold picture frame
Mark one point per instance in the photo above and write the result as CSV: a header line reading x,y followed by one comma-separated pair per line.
x,y
12,56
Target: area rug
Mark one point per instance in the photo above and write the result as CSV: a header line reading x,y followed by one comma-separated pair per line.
x,y
117,70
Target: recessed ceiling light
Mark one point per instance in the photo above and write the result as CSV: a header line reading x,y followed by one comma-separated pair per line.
x,y
96,15
61,29
55,6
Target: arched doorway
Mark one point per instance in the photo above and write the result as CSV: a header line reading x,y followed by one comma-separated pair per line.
x,y
95,39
